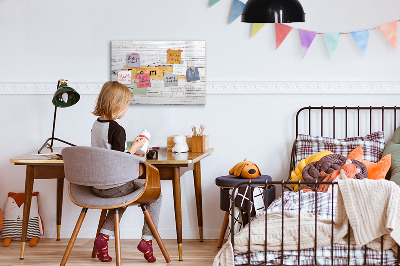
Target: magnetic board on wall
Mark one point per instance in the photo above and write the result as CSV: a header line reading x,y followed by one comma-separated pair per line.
x,y
161,72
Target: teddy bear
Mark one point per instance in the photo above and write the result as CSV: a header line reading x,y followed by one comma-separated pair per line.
x,y
180,144
13,215
245,169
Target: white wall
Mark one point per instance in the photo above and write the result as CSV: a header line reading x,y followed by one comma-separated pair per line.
x,y
43,41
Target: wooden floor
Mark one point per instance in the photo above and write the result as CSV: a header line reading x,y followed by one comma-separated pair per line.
x,y
50,252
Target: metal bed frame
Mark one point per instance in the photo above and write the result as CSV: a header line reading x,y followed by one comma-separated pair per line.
x,y
283,184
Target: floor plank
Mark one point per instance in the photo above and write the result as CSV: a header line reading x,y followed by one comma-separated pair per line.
x,y
49,252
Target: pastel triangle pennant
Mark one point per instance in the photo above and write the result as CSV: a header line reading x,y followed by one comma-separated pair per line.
x,y
332,41
306,39
361,37
256,27
389,30
213,2
281,31
237,9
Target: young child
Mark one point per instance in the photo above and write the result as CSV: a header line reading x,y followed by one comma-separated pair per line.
x,y
112,104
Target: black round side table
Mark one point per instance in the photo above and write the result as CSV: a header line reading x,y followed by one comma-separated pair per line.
x,y
228,182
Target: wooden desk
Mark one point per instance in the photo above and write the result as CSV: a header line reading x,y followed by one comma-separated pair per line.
x,y
171,167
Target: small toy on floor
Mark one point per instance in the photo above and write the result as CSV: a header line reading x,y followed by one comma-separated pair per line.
x,y
13,215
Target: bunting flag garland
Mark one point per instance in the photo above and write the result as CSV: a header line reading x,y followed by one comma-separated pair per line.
x,y
237,9
256,27
213,2
332,41
281,31
389,30
306,39
361,37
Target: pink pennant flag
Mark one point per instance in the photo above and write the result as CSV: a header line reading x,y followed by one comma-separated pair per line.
x,y
281,31
389,30
306,39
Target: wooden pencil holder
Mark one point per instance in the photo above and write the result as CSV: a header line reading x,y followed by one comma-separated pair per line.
x,y
200,143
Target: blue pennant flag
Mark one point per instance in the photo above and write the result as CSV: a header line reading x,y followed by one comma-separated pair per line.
x,y
361,38
332,41
213,2
237,9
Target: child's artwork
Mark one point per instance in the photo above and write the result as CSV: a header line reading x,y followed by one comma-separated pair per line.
x,y
144,80
133,60
192,74
158,70
174,56
125,77
180,69
170,80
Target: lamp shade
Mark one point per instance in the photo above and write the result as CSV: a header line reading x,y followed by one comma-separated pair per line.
x,y
65,96
273,11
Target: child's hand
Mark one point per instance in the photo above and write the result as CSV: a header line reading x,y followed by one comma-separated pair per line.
x,y
143,155
137,144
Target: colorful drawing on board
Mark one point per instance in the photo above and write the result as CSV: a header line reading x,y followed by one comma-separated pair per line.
x,y
170,80
125,77
192,74
144,80
174,56
133,60
180,69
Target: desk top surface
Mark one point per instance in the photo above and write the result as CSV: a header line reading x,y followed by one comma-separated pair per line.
x,y
164,157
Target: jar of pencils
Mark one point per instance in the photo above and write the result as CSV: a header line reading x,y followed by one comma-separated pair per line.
x,y
200,143
199,140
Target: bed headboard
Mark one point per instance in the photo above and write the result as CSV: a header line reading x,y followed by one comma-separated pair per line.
x,y
344,121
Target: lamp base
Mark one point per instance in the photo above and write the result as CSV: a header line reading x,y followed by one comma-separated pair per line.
x,y
50,146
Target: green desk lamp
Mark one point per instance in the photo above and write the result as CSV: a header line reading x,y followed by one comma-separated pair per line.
x,y
65,96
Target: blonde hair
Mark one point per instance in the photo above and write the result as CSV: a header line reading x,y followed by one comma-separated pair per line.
x,y
112,99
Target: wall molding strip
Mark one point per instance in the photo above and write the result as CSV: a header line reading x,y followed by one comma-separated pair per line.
x,y
231,87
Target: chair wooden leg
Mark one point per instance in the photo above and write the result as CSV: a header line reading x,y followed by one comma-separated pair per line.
x,y
154,230
117,239
73,237
223,229
101,222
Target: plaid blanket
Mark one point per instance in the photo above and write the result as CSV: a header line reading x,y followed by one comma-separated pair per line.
x,y
324,257
323,205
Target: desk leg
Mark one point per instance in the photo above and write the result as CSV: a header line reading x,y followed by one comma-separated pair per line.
x,y
176,182
60,190
27,206
199,204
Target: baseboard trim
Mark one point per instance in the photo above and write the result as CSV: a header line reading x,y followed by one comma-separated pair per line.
x,y
230,87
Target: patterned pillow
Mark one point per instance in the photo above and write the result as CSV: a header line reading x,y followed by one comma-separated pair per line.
x,y
372,144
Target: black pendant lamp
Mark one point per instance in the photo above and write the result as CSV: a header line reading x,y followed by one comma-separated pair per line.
x,y
273,11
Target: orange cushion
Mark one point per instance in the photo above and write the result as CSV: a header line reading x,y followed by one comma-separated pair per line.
x,y
375,170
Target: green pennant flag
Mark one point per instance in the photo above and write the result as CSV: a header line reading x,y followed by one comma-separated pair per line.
x,y
332,41
213,2
256,27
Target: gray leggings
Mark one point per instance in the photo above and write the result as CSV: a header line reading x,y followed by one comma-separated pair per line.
x,y
154,208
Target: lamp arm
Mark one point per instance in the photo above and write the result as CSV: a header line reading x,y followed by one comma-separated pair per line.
x,y
54,119
54,126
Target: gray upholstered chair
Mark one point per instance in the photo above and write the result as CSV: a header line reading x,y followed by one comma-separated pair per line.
x,y
85,167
